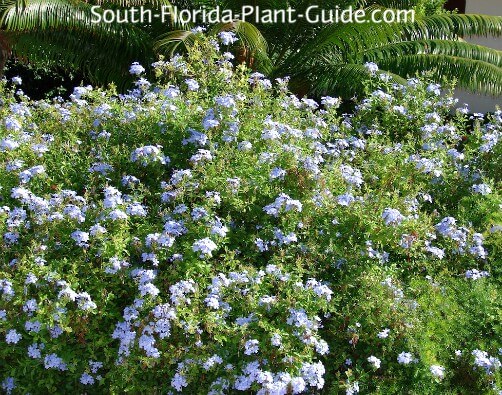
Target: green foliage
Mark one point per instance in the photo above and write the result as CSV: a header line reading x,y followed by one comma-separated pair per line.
x,y
242,233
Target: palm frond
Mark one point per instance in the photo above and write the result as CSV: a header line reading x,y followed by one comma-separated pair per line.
x,y
177,40
40,15
345,80
99,61
460,49
447,26
135,3
344,41
473,75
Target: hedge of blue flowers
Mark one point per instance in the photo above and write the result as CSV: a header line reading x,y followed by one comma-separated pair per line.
x,y
212,233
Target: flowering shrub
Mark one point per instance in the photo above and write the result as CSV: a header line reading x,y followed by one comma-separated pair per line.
x,y
212,233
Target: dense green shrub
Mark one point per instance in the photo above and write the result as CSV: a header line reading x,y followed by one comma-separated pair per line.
x,y
213,233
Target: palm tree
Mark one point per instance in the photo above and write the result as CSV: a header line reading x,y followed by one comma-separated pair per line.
x,y
319,58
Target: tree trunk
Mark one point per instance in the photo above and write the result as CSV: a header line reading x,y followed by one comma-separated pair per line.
x,y
243,55
5,51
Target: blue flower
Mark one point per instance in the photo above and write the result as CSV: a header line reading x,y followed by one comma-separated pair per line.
x,y
136,69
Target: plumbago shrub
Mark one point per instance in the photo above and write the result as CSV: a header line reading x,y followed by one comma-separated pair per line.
x,y
213,233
